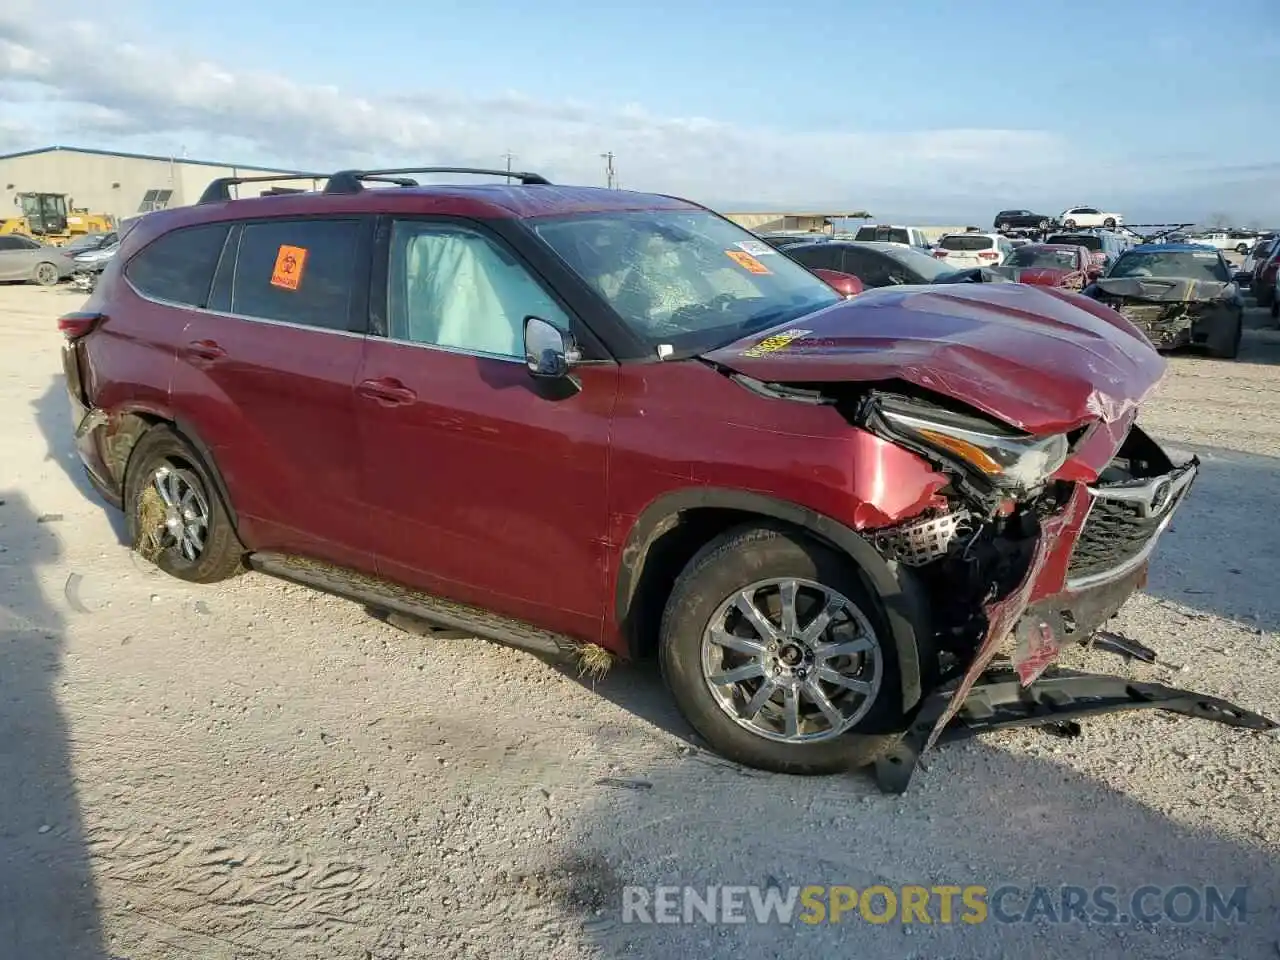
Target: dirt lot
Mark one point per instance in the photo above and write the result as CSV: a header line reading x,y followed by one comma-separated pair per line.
x,y
257,770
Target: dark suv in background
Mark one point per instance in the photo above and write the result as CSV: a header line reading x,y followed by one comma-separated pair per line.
x,y
590,418
1007,220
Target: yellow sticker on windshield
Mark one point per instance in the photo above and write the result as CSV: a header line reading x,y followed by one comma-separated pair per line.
x,y
774,343
747,261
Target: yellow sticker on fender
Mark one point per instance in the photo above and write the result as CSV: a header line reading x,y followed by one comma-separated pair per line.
x,y
287,273
779,341
747,261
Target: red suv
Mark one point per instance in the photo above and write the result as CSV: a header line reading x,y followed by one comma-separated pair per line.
x,y
596,417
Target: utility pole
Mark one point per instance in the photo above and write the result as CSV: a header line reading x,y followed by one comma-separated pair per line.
x,y
608,170
509,157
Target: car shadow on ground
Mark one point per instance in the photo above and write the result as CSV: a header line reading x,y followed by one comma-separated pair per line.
x,y
53,418
1221,551
1261,341
48,903
980,815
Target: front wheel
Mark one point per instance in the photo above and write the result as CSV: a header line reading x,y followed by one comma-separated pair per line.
x,y
1044,225
779,656
1109,223
1275,308
1005,227
45,274
1226,345
173,512
1069,224
1242,249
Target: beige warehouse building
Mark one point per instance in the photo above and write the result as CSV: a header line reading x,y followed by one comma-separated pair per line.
x,y
120,184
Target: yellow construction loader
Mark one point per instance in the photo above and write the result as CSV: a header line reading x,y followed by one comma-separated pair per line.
x,y
51,218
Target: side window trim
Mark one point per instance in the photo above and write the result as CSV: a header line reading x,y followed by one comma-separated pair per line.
x,y
380,275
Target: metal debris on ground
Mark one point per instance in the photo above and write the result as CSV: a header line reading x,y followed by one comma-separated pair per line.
x,y
49,518
627,783
71,590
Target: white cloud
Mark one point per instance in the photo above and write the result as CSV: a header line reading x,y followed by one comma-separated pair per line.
x,y
140,98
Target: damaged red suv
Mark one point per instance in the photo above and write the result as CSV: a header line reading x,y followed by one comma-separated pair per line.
x,y
595,418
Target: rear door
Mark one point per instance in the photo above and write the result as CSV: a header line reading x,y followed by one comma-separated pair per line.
x,y
266,374
478,485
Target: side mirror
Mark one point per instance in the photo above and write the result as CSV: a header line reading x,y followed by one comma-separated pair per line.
x,y
549,352
837,280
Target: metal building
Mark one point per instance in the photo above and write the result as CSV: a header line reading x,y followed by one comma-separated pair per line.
x,y
121,185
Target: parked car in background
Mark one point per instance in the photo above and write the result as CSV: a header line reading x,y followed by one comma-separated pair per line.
x,y
661,436
960,250
90,241
1178,294
1007,220
1266,268
1104,245
780,240
1260,251
902,236
1235,240
1051,265
884,264
1088,217
22,258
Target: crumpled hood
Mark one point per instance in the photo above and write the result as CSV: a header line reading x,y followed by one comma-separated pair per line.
x,y
1044,360
1164,289
1040,276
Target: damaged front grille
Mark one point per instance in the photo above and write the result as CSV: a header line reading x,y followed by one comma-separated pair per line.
x,y
1123,523
921,542
1166,325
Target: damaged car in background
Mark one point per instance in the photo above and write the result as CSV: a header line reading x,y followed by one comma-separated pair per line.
x,y
612,425
1050,265
1178,295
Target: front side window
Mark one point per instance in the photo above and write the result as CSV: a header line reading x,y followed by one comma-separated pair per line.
x,y
684,278
453,287
297,271
178,267
819,256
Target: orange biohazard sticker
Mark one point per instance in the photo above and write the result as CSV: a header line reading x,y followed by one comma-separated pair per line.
x,y
288,269
747,261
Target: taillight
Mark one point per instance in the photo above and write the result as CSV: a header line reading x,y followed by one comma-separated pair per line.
x,y
73,326
988,255
940,254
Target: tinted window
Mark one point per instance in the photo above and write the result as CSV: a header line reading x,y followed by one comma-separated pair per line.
x,y
456,288
1037,256
869,266
824,256
178,266
966,241
1086,240
883,234
297,271
913,266
11,243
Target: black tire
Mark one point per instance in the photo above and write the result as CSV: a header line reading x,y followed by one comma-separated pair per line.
x,y
1228,347
1242,249
222,554
45,274
1275,308
1068,224
1043,225
724,566
1004,227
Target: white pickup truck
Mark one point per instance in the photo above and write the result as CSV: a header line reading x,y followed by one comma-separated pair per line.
x,y
1226,240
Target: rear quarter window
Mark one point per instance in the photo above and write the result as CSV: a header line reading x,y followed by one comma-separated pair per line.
x,y
178,266
297,271
966,242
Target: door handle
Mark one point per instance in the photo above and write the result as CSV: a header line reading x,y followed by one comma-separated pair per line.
x,y
205,350
387,391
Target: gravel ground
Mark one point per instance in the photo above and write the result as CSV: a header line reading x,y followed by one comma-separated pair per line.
x,y
257,770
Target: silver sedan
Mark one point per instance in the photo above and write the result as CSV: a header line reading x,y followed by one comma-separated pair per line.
x,y
22,258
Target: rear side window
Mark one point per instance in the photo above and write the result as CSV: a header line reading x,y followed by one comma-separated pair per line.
x,y
297,271
883,234
820,256
178,266
966,241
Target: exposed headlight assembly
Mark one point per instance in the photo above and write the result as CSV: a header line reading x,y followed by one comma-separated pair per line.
x,y
1004,458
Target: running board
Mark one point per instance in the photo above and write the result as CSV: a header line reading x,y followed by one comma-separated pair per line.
x,y
1057,700
352,585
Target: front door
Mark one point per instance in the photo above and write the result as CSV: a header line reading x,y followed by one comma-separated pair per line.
x,y
480,487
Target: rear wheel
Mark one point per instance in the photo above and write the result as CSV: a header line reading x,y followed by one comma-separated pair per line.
x,y
1069,224
1005,227
779,656
45,274
1109,223
1044,225
174,515
1242,249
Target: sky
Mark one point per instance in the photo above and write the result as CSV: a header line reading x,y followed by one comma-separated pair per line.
x,y
921,111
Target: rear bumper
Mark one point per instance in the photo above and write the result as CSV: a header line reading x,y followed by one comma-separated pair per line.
x,y
87,422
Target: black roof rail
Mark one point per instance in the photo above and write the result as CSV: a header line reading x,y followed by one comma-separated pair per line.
x,y
352,181
218,192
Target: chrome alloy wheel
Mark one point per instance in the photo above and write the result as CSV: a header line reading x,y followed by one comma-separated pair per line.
x,y
186,514
792,660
